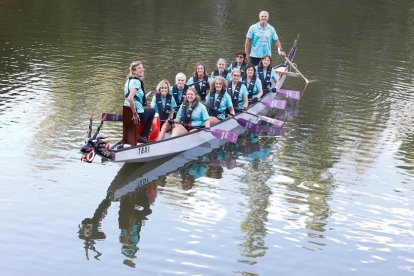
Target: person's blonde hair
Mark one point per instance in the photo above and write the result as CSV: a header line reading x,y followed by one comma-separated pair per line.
x,y
180,74
161,84
132,67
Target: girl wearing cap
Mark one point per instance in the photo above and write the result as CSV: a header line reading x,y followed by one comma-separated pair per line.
x,y
133,110
192,114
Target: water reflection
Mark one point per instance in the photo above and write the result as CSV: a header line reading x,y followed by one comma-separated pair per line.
x,y
136,188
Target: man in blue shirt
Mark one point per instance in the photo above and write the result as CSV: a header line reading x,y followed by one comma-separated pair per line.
x,y
259,39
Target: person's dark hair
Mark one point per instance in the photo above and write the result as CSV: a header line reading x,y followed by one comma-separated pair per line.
x,y
241,53
261,63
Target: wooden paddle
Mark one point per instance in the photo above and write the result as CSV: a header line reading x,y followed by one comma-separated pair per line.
x,y
297,70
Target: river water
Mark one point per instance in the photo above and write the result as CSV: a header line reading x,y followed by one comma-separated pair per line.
x,y
333,195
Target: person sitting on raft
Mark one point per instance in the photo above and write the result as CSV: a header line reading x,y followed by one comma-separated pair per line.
x,y
191,116
164,104
239,63
253,84
237,91
266,74
218,101
133,109
221,70
178,89
200,80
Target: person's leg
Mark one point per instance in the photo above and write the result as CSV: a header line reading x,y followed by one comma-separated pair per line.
x,y
255,61
146,118
129,133
178,130
165,127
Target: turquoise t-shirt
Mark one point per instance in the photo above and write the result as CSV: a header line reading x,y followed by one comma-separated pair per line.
x,y
273,75
261,39
163,101
224,104
243,92
179,92
228,76
134,83
256,86
198,116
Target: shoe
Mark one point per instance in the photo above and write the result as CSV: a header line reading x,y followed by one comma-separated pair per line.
x,y
142,140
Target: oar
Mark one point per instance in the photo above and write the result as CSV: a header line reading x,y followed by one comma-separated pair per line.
x,y
109,117
225,135
297,70
278,104
277,131
289,94
275,122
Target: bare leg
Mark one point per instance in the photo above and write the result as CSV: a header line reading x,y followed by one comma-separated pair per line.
x,y
165,127
178,130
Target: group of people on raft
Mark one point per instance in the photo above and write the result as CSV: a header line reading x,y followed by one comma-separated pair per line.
x,y
202,100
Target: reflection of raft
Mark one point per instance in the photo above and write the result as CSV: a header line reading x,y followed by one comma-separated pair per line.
x,y
171,146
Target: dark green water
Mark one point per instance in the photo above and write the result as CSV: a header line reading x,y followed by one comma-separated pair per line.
x,y
334,195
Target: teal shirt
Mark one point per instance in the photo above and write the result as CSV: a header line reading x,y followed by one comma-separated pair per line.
x,y
228,76
256,86
243,92
273,75
198,116
163,101
134,83
224,104
261,39
180,93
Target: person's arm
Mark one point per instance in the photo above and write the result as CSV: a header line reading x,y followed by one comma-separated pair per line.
x,y
245,101
279,48
231,109
135,116
247,47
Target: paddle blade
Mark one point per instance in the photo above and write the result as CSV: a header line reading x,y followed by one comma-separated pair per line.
x,y
279,104
275,122
248,125
276,131
112,117
225,135
289,94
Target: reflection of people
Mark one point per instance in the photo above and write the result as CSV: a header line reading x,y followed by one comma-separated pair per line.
x,y
89,229
259,39
215,172
134,209
190,173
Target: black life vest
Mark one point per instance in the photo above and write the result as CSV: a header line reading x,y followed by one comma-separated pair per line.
x,y
234,95
265,78
250,86
144,98
164,111
214,104
178,101
202,91
186,113
217,73
242,67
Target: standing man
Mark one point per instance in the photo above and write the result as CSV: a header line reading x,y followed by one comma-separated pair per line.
x,y
259,39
